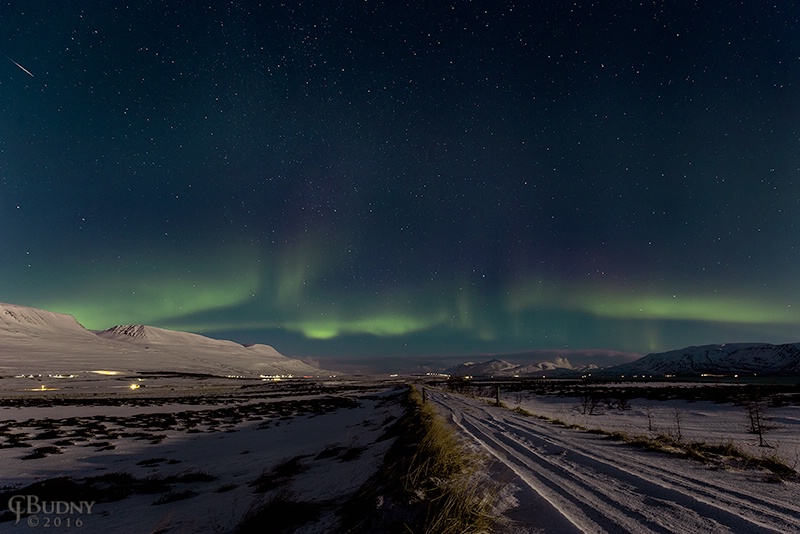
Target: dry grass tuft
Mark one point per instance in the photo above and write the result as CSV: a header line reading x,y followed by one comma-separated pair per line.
x,y
445,476
429,482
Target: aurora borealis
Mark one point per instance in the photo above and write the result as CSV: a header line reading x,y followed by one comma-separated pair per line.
x,y
382,185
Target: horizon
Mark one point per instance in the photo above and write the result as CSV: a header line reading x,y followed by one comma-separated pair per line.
x,y
441,362
392,187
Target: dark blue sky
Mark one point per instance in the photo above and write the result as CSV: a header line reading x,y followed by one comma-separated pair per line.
x,y
377,184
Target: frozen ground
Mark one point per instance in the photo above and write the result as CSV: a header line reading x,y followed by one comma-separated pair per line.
x,y
194,463
571,480
189,454
697,421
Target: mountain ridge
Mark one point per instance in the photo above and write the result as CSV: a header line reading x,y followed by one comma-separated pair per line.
x,y
763,359
16,319
724,358
36,341
497,367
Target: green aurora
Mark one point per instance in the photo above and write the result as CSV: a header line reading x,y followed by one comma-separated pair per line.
x,y
394,187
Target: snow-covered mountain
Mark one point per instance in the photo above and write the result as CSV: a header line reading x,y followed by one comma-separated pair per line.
x,y
150,335
23,322
763,359
34,341
494,367
501,368
724,359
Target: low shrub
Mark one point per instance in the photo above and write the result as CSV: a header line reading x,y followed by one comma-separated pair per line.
x,y
174,496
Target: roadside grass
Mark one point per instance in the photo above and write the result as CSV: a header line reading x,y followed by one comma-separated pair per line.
x,y
441,474
722,455
522,411
429,482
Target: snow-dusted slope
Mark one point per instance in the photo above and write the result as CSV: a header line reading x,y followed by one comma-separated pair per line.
x,y
23,322
491,368
572,481
36,341
152,336
730,358
502,368
761,359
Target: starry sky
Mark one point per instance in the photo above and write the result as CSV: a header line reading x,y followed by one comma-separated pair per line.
x,y
376,185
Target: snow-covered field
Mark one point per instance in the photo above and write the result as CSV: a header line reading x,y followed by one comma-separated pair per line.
x,y
571,480
205,454
696,421
195,463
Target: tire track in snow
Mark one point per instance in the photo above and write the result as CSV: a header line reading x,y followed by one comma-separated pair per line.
x,y
597,472
608,503
594,512
602,486
764,511
587,509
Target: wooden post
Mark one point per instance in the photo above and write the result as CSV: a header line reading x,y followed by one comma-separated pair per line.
x,y
497,396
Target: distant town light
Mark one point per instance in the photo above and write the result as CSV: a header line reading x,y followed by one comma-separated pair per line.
x,y
42,388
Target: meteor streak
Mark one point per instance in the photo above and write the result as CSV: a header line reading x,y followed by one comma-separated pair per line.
x,y
20,66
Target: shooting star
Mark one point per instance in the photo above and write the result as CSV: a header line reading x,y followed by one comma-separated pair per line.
x,y
29,73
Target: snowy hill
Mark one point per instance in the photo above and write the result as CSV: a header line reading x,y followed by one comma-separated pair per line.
x,y
24,322
761,359
724,359
502,368
491,368
34,341
151,335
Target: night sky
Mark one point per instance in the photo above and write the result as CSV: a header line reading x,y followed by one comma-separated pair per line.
x,y
379,185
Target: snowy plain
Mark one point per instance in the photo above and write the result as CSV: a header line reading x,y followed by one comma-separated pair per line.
x,y
699,421
204,455
196,463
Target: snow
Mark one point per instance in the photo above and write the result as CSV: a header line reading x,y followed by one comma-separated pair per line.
x,y
498,368
190,418
22,319
726,358
557,479
230,441
38,342
571,480
699,421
